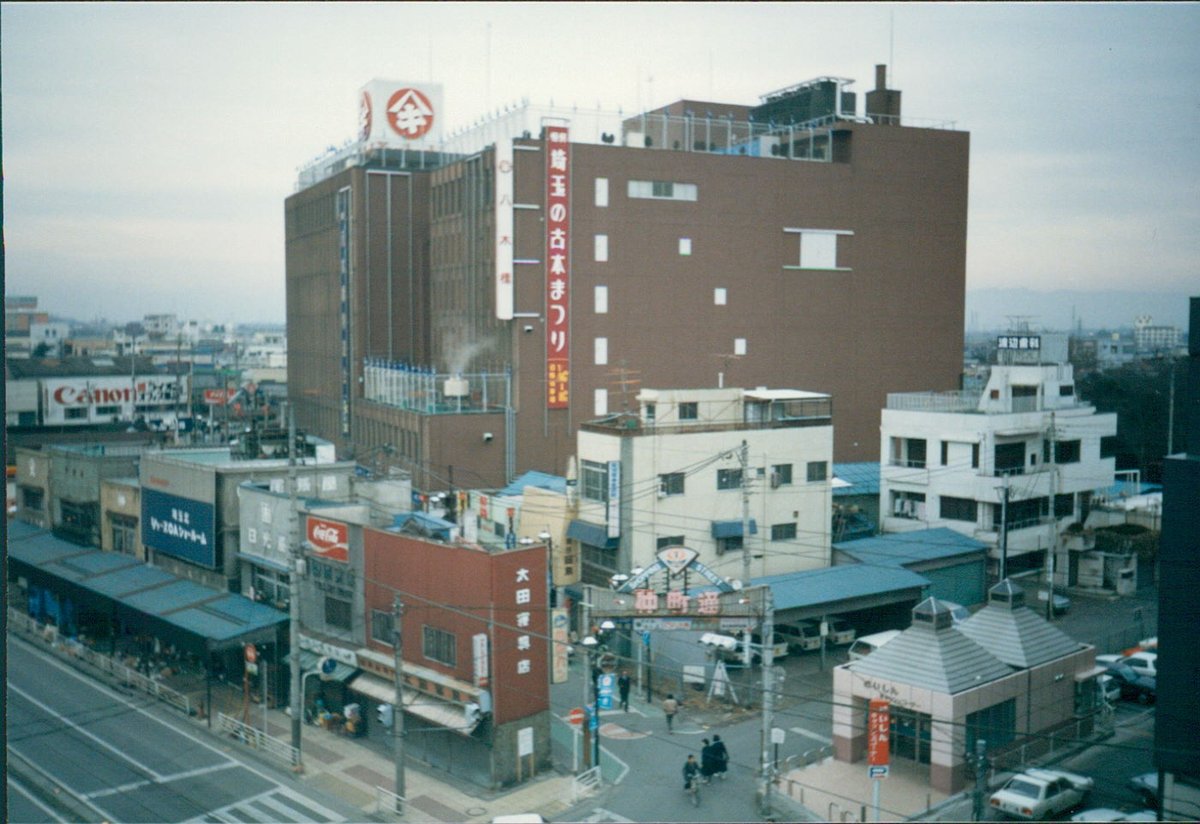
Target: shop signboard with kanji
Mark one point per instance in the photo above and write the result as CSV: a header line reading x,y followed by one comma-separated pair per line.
x,y
558,267
878,731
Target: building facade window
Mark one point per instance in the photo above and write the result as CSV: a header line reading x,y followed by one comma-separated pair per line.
x,y
602,192
908,505
733,544
665,541
601,248
819,249
909,452
1064,451
720,295
997,725
123,530
593,481
729,479
689,411
439,645
383,627
1010,458
600,296
739,346
671,483
958,509
1027,513
1064,505
685,246
601,351
783,532
600,402
337,613
781,474
818,471
662,190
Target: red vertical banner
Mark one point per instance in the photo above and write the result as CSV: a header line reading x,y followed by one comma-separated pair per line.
x,y
878,729
558,267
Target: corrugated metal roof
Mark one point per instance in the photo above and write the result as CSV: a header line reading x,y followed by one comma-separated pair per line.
x,y
911,547
943,660
542,480
822,586
80,366
1018,636
863,478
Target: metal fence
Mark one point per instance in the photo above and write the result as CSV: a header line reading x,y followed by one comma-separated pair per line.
x,y
586,783
388,803
71,650
258,739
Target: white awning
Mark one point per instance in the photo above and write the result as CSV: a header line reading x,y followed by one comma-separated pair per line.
x,y
443,713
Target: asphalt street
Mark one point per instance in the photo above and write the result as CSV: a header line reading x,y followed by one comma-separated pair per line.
x,y
131,762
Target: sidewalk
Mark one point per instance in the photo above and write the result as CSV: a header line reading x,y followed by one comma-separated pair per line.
x,y
351,770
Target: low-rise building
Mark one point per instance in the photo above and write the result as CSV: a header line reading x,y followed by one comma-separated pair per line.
x,y
692,467
1013,466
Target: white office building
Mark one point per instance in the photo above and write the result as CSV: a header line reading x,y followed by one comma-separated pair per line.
x,y
672,474
1024,452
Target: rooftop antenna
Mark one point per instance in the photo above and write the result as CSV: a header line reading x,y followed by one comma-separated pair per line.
x,y
890,81
1019,323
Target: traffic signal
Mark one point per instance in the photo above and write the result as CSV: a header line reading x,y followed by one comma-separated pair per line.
x,y
384,714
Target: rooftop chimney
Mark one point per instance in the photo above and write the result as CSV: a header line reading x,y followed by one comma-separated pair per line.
x,y
883,104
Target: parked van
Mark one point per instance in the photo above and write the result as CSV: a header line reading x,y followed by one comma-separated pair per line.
x,y
869,643
779,647
803,636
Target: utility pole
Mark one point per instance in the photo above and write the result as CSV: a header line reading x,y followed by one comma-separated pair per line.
x,y
1053,433
296,566
980,779
744,459
768,698
398,711
1004,532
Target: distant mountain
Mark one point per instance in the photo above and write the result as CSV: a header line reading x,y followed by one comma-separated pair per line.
x,y
1062,310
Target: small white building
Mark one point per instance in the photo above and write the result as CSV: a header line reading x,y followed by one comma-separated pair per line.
x,y
1025,451
672,474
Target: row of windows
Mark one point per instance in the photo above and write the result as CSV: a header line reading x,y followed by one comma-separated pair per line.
x,y
600,248
1019,514
600,357
594,478
600,299
436,644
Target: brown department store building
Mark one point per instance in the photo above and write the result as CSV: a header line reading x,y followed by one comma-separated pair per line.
x,y
804,241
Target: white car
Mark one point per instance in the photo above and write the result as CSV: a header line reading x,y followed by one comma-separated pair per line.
x,y
1143,663
1038,794
1108,814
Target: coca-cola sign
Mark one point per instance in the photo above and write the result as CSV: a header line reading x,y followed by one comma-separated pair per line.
x,y
329,539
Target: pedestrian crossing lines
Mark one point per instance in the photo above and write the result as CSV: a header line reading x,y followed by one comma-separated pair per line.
x,y
279,804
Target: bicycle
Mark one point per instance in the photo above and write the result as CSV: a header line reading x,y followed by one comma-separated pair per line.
x,y
693,790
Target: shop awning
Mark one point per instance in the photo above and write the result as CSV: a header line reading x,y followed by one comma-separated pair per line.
x,y
591,534
732,529
311,662
443,713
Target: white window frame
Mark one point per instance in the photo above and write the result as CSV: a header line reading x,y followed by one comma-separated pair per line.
x,y
602,192
600,297
601,250
644,190
685,246
600,402
739,346
601,351
720,296
818,250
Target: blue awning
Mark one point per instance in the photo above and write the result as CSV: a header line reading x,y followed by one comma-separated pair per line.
x,y
732,529
591,534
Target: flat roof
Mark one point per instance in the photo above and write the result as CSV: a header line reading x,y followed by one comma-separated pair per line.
x,y
840,583
782,394
898,549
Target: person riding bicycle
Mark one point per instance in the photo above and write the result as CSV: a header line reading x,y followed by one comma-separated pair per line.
x,y
691,771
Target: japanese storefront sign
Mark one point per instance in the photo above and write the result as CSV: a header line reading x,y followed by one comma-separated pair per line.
x,y
1019,342
522,598
558,264
878,730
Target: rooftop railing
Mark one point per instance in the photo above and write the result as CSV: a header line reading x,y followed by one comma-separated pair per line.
x,y
958,401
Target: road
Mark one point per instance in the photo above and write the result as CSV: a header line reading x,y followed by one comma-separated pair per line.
x,y
129,760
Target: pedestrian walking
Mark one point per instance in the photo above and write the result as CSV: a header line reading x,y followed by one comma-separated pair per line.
x,y
670,707
707,762
623,689
720,756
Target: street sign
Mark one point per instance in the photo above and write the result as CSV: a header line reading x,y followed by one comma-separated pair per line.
x,y
605,687
575,716
777,735
878,729
877,771
593,717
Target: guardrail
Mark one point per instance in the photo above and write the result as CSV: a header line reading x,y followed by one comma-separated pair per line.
x,y
388,803
258,739
69,649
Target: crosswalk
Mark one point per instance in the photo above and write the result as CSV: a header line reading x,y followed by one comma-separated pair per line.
x,y
276,805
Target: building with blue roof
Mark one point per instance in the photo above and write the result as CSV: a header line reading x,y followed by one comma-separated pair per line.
x,y
954,564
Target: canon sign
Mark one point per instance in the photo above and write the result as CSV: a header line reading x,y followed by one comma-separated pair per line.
x,y
329,539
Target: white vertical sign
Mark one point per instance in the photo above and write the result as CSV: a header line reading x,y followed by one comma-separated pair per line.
x,y
614,499
504,229
479,650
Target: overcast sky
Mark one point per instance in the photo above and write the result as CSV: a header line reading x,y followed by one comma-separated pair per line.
x,y
148,148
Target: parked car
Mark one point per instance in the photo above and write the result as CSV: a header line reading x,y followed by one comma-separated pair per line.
x,y
801,637
1146,788
1143,663
869,643
1141,688
1110,688
1038,794
840,632
1061,602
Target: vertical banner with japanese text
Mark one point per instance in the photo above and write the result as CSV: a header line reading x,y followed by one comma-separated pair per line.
x,y
558,266
504,229
878,730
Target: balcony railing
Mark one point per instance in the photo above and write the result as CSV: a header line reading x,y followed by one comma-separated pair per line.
x,y
960,401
